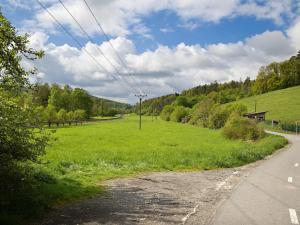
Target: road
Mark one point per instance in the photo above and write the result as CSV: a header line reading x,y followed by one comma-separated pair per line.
x,y
269,195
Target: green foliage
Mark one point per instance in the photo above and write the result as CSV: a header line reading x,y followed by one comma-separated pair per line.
x,y
220,114
82,100
62,116
22,141
182,101
13,47
70,117
200,112
22,138
50,115
178,113
166,112
238,127
79,115
218,117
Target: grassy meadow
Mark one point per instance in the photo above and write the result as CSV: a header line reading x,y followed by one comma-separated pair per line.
x,y
281,105
83,156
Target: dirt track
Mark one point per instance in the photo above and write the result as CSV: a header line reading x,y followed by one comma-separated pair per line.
x,y
156,198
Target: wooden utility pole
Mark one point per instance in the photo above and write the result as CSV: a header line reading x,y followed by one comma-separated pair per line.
x,y
141,96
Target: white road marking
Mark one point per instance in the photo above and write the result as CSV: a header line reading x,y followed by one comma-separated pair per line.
x,y
296,164
184,219
290,179
293,215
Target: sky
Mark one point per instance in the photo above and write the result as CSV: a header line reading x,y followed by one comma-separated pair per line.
x,y
155,47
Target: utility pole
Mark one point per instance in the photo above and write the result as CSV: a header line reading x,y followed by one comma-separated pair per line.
x,y
141,96
255,106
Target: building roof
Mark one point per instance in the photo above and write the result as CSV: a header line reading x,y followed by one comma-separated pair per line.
x,y
254,113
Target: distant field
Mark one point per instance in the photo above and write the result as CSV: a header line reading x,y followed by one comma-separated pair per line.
x,y
84,155
281,105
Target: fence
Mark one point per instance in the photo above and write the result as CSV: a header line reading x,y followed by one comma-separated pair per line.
x,y
284,125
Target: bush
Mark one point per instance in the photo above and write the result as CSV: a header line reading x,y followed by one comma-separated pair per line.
x,y
218,117
178,113
22,141
166,112
219,114
200,112
238,127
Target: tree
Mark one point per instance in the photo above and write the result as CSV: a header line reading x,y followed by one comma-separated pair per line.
x,y
182,101
13,47
22,138
70,117
40,93
79,115
50,115
178,113
62,116
55,97
82,100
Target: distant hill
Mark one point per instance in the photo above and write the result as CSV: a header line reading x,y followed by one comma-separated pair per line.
x,y
111,103
281,105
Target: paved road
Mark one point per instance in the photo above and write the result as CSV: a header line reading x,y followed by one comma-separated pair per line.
x,y
270,195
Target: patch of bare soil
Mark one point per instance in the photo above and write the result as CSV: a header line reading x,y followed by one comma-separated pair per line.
x,y
156,198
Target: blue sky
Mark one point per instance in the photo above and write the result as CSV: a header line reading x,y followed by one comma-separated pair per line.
x,y
167,45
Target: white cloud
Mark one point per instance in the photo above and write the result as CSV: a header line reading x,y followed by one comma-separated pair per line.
x,y
294,33
274,10
123,17
163,70
272,43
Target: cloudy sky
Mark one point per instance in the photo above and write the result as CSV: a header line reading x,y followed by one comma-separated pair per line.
x,y
159,46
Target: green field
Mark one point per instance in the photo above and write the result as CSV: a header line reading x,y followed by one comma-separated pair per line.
x,y
83,156
281,105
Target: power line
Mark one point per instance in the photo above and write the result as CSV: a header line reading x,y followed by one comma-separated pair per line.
x,y
105,35
78,43
91,40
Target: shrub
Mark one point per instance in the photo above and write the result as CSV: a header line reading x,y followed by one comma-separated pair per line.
x,y
219,114
238,127
166,112
200,112
218,117
178,113
22,141
239,108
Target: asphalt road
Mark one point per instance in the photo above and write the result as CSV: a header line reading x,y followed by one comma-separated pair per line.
x,y
270,195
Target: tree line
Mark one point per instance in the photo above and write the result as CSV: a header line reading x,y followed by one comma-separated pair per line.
x,y
275,76
55,104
